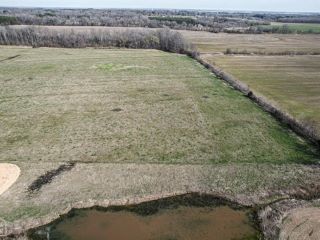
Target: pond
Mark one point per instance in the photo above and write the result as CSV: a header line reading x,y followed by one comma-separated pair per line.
x,y
166,222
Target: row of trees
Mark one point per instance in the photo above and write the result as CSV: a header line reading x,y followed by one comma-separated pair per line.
x,y
281,29
163,39
230,51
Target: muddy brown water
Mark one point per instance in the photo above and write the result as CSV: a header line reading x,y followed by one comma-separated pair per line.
x,y
184,222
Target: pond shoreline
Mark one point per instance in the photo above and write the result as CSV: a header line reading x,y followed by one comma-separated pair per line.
x,y
152,208
266,218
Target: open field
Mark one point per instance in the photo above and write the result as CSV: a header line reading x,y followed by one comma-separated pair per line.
x,y
299,27
257,43
137,125
94,105
292,83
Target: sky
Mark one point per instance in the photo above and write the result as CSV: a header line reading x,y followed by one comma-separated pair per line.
x,y
241,5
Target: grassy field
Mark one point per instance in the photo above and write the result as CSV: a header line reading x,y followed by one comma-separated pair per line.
x,y
93,105
264,43
298,27
292,83
140,125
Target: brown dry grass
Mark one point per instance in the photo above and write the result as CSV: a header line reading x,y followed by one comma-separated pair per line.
x,y
265,43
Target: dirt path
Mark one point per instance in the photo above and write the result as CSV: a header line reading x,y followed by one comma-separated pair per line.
x,y
9,174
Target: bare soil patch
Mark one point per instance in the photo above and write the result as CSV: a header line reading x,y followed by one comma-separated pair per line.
x,y
9,174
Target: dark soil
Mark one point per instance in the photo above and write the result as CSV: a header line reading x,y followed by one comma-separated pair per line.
x,y
48,177
116,110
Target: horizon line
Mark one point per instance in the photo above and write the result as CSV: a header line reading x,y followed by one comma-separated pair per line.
x,y
181,9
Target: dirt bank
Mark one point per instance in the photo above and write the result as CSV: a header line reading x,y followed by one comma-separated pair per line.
x,y
290,219
302,223
88,185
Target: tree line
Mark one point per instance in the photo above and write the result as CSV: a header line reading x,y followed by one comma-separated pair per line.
x,y
281,29
174,19
162,39
195,20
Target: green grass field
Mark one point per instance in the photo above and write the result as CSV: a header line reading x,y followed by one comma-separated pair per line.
x,y
90,105
292,83
298,27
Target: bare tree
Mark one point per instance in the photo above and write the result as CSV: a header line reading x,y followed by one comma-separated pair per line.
x,y
163,39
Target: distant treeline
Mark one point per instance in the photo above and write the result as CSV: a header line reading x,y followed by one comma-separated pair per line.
x,y
315,19
163,39
284,29
178,20
230,51
298,19
195,20
174,19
